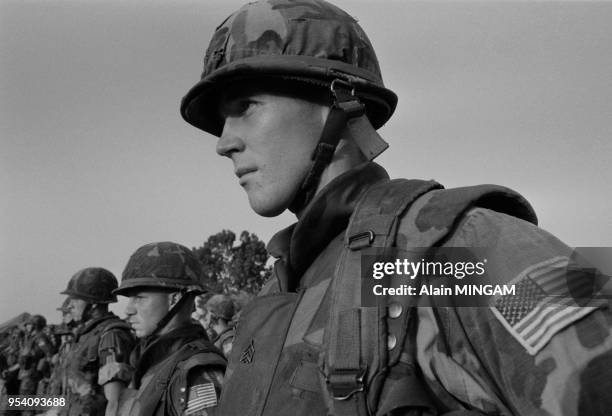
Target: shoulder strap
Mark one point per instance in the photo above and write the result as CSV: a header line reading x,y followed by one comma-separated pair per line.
x,y
156,387
364,342
356,353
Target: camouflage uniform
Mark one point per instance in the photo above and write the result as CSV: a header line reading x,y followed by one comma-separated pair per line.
x,y
178,372
33,356
103,343
491,360
100,355
58,383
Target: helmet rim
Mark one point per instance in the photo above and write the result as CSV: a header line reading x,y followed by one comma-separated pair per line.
x,y
198,106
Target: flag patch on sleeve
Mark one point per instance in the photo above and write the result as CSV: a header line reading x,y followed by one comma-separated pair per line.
x,y
200,397
548,297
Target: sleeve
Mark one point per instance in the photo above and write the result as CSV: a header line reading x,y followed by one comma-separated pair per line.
x,y
197,388
114,353
547,350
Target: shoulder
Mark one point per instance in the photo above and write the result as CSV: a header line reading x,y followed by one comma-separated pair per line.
x,y
116,341
195,385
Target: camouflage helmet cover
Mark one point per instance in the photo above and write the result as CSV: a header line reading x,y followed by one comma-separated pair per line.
x,y
164,265
93,285
307,41
221,306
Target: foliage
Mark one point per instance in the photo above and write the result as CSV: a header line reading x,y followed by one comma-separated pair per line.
x,y
230,266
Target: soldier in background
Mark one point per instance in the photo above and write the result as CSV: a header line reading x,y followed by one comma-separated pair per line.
x,y
178,371
217,322
97,369
294,92
58,381
34,356
11,350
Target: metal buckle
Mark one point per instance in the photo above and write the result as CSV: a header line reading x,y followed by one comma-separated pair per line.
x,y
347,85
342,384
354,240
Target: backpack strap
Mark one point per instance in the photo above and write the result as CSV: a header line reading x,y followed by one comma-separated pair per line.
x,y
363,343
356,349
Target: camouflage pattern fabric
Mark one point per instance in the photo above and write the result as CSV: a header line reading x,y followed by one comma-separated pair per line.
x,y
93,284
162,265
468,358
97,357
308,41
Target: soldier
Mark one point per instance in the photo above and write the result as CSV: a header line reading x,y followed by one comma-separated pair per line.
x,y
97,369
294,92
178,371
58,381
34,356
217,322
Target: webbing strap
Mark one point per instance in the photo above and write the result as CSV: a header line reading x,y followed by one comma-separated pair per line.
x,y
378,341
345,106
357,352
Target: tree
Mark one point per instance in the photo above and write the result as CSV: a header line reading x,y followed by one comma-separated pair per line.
x,y
230,266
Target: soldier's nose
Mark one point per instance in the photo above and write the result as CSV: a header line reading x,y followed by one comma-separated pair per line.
x,y
229,141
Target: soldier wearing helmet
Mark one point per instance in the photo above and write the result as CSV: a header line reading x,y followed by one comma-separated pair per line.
x,y
294,93
178,371
34,355
97,367
220,310
58,382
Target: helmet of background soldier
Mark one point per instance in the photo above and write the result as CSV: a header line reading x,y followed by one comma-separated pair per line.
x,y
310,42
164,265
37,321
93,285
221,306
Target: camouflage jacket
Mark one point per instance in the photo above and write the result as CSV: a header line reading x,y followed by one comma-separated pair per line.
x,y
36,347
468,358
178,373
100,354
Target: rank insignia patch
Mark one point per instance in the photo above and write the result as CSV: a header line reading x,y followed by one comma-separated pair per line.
x,y
247,354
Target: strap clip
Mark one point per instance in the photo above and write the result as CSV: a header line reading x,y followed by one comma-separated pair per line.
x,y
361,240
342,384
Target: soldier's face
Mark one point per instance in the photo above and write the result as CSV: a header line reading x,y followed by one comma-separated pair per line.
x,y
145,309
270,138
77,308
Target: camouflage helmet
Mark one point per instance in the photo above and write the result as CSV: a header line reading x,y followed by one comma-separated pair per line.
x,y
310,41
164,265
93,285
221,306
37,321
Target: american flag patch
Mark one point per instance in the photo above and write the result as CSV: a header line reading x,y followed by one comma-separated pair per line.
x,y
201,397
548,297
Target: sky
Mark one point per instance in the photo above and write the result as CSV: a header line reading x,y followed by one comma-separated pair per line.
x,y
95,160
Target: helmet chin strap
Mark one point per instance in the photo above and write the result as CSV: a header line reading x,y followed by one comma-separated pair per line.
x,y
346,112
169,315
87,312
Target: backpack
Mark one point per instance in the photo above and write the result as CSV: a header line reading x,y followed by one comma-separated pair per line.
x,y
364,343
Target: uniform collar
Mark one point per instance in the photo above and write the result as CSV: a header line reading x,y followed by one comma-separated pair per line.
x,y
152,351
92,323
325,217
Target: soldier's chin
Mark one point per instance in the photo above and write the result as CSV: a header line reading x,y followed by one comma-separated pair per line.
x,y
266,207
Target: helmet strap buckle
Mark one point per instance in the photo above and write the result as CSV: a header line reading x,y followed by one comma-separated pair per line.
x,y
345,106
